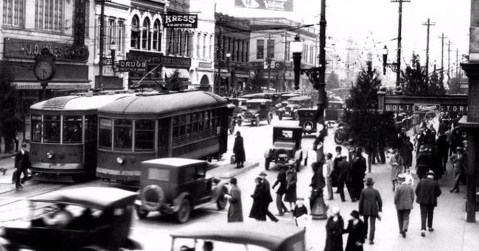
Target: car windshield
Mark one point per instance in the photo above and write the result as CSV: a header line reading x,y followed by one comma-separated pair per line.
x,y
287,134
181,244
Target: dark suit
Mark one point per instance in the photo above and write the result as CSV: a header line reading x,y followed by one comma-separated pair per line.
x,y
427,191
370,204
403,199
22,164
267,199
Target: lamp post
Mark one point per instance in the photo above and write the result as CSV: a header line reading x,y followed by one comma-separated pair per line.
x,y
228,56
385,58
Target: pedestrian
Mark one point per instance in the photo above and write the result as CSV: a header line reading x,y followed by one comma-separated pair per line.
x,y
343,175
291,179
317,185
357,173
396,163
329,175
334,231
355,230
235,211
267,196
370,205
442,150
427,191
422,162
281,181
406,152
300,213
403,199
334,174
258,209
238,150
22,164
458,159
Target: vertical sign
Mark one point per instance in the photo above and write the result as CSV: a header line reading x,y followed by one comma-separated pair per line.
x,y
79,23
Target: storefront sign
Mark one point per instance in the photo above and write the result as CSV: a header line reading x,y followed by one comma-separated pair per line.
x,y
276,5
207,65
424,108
158,59
132,66
181,21
28,49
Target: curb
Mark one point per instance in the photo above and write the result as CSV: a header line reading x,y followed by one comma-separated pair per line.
x,y
234,172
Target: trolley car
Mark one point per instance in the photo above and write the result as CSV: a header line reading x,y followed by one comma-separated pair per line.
x,y
64,136
133,129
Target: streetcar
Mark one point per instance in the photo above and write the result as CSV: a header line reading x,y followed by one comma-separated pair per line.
x,y
190,124
64,136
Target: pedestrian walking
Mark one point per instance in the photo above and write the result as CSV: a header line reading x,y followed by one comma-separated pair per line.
x,y
422,162
317,185
334,231
291,179
334,173
442,150
329,173
357,174
238,150
406,152
403,199
370,205
427,191
267,196
396,163
281,183
343,175
458,160
22,164
355,230
258,209
235,211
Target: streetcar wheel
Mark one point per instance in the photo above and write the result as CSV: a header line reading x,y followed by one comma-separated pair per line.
x,y
337,139
183,214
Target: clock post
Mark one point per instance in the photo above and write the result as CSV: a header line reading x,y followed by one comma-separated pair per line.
x,y
44,69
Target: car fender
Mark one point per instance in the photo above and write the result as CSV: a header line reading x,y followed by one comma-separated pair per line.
x,y
218,190
179,199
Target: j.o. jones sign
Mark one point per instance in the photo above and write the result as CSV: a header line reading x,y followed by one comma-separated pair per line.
x,y
421,108
181,21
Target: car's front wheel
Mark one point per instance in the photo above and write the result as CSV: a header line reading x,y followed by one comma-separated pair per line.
x,y
141,213
183,214
266,164
222,201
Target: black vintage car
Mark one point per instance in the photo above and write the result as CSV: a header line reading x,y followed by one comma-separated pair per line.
x,y
256,111
286,146
306,120
290,107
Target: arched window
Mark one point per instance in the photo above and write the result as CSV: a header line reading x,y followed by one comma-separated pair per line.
x,y
156,36
135,33
146,35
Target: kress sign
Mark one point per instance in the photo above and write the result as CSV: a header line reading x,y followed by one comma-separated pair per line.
x,y
181,21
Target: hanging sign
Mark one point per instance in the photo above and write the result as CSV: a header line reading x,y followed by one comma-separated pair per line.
x,y
181,21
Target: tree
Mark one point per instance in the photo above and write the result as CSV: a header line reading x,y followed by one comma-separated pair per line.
x,y
333,81
365,125
256,83
414,78
455,85
9,123
436,85
173,83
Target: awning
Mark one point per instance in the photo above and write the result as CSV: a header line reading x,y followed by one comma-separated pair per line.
x,y
170,71
51,86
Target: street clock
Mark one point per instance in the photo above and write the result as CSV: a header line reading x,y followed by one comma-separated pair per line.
x,y
44,68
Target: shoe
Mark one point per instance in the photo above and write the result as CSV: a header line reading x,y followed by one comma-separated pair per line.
x,y
275,221
371,242
452,190
457,191
353,200
403,234
330,198
431,229
343,200
423,233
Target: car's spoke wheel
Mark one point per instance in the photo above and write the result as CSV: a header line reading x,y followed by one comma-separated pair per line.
x,y
222,201
183,214
239,122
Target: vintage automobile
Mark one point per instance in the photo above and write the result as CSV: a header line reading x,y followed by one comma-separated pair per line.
x,y
290,107
285,96
177,186
241,236
256,111
334,111
286,146
106,228
306,120
340,135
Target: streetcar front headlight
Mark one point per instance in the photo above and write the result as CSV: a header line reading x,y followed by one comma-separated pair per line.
x,y
120,160
50,155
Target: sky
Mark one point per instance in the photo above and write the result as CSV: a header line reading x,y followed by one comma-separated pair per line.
x,y
374,23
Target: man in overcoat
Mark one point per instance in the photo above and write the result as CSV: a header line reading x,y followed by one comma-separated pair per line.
x,y
427,191
235,211
238,150
281,182
343,174
370,205
403,199
358,171
22,164
267,196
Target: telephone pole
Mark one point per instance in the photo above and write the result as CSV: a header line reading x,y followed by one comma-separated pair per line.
x,y
457,62
398,72
102,45
449,59
428,24
442,57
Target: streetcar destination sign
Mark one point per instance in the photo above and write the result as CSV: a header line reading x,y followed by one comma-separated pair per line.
x,y
181,21
132,65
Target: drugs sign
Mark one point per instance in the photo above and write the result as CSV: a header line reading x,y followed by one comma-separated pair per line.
x,y
132,65
181,21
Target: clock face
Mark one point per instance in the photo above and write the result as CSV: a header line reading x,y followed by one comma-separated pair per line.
x,y
43,70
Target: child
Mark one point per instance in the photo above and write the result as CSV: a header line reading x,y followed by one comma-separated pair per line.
x,y
300,213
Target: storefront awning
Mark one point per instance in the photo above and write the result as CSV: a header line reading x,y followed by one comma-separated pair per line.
x,y
52,86
170,71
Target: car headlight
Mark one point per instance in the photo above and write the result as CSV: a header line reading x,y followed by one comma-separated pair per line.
x,y
120,160
50,155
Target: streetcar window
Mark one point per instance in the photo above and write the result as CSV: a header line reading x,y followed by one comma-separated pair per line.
x,y
105,133
90,128
200,122
188,123
123,133
176,126
182,125
36,128
72,129
144,135
194,119
52,129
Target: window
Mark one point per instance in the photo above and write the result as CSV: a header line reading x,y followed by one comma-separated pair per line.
x,y
49,15
120,41
247,52
144,135
210,48
72,129
186,41
204,46
158,174
288,51
13,12
37,127
145,35
169,39
156,36
135,33
178,42
111,31
198,45
270,53
105,133
260,49
123,133
52,129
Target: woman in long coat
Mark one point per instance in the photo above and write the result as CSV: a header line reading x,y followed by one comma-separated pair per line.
x,y
334,231
235,211
238,150
291,179
396,168
406,152
356,233
258,208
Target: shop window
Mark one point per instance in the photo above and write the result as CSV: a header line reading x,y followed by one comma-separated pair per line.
x,y
157,36
259,49
13,13
270,48
135,33
49,15
105,133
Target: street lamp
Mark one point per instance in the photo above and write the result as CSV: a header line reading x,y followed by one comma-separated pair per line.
x,y
228,56
393,65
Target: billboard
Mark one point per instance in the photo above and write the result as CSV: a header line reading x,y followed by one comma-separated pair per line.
x,y
276,5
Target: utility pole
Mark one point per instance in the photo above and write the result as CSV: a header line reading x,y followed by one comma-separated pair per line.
x,y
218,56
442,58
428,24
268,60
102,45
398,60
457,62
449,59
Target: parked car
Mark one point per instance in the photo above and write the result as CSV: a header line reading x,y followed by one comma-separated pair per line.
x,y
340,135
285,96
334,112
256,111
241,236
177,186
106,228
290,107
286,146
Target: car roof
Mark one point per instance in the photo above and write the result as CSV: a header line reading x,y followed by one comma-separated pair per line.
x,y
287,124
96,197
175,162
262,234
258,100
300,98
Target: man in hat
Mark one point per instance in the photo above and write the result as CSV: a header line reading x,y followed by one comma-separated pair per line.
x,y
427,191
357,173
422,162
458,160
238,150
267,196
403,199
22,164
235,211
370,205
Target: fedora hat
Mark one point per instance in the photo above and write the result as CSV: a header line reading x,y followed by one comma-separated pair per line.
x,y
431,172
262,174
355,214
369,181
